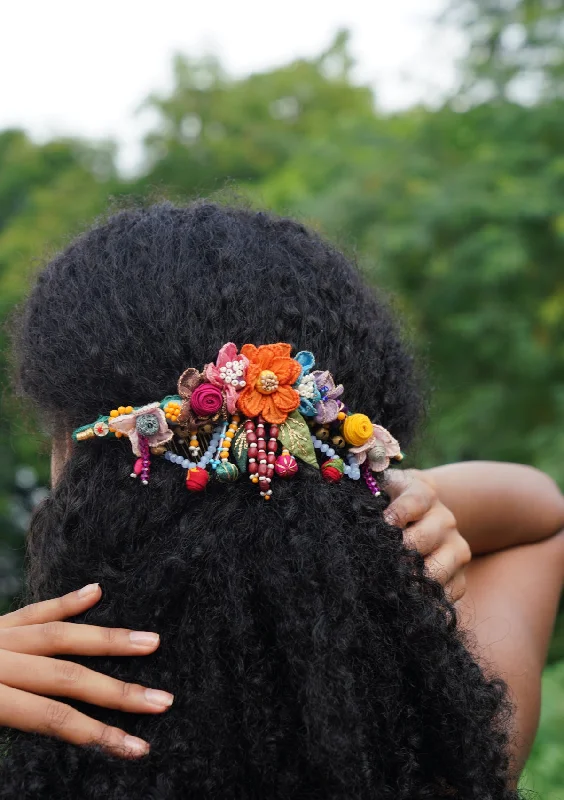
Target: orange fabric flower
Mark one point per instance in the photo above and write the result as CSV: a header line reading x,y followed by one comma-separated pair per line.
x,y
270,375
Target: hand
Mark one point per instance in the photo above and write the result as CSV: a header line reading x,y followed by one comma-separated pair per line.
x,y
429,527
29,636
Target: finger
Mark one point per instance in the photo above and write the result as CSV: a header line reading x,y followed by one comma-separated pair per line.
x,y
444,563
28,712
70,638
398,480
49,676
49,610
456,588
409,507
429,533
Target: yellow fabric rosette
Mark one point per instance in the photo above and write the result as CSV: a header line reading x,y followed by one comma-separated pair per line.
x,y
357,429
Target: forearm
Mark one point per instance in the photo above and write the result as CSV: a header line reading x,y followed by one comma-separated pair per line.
x,y
509,607
499,505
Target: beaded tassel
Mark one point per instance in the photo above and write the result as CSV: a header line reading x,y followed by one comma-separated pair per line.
x,y
215,462
369,480
146,459
229,434
266,457
252,453
261,455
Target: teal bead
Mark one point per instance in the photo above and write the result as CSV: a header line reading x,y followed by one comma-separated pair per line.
x,y
226,471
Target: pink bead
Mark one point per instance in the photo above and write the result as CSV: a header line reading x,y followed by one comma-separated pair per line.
x,y
138,468
286,466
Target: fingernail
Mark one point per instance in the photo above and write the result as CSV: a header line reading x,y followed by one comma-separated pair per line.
x,y
389,518
144,638
135,745
90,589
157,698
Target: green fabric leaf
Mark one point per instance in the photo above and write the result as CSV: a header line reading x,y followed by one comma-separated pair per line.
x,y
239,448
295,436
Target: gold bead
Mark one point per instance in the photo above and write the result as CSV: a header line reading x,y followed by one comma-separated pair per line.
x,y
158,450
322,433
87,434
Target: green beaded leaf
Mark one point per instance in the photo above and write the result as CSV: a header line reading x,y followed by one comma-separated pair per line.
x,y
239,448
294,434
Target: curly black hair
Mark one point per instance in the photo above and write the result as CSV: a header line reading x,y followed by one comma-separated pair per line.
x,y
309,655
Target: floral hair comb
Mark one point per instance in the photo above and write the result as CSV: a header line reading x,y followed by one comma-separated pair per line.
x,y
255,411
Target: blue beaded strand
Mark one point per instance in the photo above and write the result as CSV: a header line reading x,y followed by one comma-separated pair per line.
x,y
185,463
222,429
351,468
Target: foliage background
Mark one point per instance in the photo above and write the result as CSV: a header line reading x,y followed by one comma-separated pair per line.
x,y
456,210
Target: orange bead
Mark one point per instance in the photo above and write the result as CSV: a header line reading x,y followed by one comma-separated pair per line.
x,y
129,409
114,413
229,435
118,434
225,454
121,409
267,497
341,415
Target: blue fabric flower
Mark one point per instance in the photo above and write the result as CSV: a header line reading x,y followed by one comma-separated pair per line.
x,y
306,385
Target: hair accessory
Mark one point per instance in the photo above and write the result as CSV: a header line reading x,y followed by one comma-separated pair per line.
x,y
255,411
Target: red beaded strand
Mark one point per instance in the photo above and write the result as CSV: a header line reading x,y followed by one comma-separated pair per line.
x,y
252,452
261,455
271,447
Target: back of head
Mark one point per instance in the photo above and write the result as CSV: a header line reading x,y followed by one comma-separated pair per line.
x,y
308,654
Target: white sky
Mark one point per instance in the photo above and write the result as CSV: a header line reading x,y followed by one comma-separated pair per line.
x,y
77,67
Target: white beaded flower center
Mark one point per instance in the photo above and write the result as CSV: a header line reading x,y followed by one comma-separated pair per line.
x,y
232,373
306,387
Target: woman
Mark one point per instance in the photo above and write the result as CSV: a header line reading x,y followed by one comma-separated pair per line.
x,y
308,653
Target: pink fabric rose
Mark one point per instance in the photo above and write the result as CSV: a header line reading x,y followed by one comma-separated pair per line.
x,y
228,373
188,385
378,449
206,400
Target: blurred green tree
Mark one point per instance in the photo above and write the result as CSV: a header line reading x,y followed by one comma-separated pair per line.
x,y
516,48
47,193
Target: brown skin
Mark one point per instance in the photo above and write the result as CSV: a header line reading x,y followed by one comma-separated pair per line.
x,y
508,611
512,517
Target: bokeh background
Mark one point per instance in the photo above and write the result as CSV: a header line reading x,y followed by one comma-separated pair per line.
x,y
427,139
